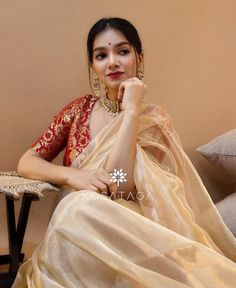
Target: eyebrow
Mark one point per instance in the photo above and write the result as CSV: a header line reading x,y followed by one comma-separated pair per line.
x,y
116,45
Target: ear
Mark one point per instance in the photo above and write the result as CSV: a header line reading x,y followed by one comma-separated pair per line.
x,y
92,68
140,58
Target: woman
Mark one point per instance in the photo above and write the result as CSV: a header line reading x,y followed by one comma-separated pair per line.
x,y
159,228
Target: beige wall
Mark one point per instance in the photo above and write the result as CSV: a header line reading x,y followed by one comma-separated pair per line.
x,y
190,65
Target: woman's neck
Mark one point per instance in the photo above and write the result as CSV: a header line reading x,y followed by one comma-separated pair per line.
x,y
112,94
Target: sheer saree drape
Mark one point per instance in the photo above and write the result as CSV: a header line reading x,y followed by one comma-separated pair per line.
x,y
171,235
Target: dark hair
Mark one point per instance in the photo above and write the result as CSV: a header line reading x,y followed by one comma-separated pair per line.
x,y
122,25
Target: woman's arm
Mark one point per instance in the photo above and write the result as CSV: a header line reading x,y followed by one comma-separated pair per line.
x,y
124,150
131,93
32,165
36,162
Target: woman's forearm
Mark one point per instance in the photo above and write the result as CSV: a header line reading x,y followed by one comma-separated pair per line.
x,y
31,165
123,153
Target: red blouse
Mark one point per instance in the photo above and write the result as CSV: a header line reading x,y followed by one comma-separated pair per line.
x,y
69,130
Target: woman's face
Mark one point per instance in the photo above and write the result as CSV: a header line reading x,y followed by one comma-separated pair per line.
x,y
113,53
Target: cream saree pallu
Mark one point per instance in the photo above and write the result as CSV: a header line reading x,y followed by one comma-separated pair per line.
x,y
170,235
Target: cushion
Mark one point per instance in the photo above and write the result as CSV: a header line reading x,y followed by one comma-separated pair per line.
x,y
221,152
226,208
14,185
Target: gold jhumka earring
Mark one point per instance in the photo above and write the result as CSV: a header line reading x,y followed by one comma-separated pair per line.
x,y
96,85
140,72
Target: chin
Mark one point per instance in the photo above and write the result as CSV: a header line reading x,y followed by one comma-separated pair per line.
x,y
114,85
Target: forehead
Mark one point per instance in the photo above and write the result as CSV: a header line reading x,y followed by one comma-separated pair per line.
x,y
111,36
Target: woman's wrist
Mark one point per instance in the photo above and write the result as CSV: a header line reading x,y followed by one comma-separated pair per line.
x,y
131,113
66,175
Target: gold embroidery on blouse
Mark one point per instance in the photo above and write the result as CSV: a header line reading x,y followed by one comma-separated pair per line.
x,y
73,155
67,118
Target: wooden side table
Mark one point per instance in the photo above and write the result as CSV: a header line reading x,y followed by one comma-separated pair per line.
x,y
13,186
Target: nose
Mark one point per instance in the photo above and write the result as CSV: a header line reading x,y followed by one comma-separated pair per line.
x,y
112,61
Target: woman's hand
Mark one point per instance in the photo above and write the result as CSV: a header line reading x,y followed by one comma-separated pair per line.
x,y
131,93
97,180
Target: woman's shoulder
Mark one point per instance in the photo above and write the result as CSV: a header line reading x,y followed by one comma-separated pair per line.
x,y
78,101
78,104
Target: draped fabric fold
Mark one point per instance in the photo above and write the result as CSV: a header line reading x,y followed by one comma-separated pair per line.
x,y
170,235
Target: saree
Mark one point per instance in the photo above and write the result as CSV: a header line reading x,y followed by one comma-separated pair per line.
x,y
169,235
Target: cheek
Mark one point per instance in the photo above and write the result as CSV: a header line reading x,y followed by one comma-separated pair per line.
x,y
131,63
98,67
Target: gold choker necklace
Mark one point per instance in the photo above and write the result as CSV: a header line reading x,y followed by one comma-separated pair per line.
x,y
113,107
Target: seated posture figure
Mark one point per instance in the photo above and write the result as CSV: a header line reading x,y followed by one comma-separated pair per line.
x,y
154,225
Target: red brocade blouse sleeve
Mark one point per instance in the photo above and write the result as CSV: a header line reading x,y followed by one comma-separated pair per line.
x,y
54,139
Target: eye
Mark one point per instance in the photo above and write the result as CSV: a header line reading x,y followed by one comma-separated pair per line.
x,y
124,52
100,56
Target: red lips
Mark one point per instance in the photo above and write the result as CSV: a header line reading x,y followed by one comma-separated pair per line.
x,y
115,74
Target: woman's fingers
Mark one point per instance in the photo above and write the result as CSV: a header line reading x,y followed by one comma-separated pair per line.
x,y
112,188
132,86
106,179
101,186
93,188
121,92
97,180
97,190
